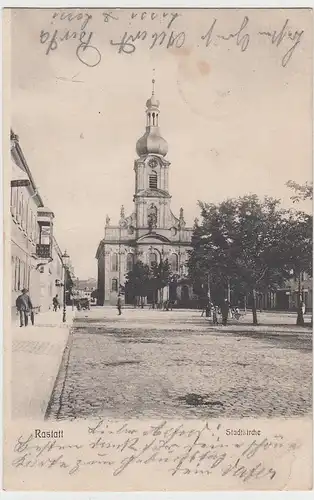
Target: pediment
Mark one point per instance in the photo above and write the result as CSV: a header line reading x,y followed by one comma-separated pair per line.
x,y
151,238
153,193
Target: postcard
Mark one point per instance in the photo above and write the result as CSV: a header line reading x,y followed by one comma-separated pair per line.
x,y
158,249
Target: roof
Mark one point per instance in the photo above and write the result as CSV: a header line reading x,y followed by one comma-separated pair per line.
x,y
24,165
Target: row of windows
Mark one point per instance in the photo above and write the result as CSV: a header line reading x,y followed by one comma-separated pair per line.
x,y
20,274
152,119
174,261
115,262
23,214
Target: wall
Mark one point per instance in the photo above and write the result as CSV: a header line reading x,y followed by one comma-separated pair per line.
x,y
106,263
38,275
24,233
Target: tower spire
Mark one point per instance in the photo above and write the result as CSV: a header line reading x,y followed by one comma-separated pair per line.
x,y
153,82
152,142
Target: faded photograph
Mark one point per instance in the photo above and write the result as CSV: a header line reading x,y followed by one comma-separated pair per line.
x,y
159,213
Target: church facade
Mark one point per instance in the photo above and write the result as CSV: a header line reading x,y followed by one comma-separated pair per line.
x,y
151,233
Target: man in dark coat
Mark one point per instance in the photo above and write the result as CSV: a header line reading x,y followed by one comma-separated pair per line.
x,y
55,303
119,305
24,306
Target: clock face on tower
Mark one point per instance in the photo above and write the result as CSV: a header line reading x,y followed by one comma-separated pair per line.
x,y
153,163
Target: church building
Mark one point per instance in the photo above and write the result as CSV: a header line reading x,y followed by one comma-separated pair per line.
x,y
151,233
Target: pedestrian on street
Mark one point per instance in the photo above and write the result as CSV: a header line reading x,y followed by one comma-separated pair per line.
x,y
55,303
225,311
25,307
208,309
215,315
119,305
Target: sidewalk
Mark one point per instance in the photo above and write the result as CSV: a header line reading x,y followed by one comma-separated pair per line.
x,y
36,356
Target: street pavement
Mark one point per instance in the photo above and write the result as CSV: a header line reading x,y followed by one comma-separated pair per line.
x,y
36,355
176,364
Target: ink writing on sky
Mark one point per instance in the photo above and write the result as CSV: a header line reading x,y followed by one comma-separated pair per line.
x,y
161,30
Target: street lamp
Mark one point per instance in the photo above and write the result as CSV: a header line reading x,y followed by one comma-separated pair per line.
x,y
65,263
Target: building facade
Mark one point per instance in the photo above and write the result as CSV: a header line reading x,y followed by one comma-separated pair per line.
x,y
24,203
36,259
151,233
286,298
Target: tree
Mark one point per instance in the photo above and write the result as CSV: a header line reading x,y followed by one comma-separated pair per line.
x,y
298,245
160,276
303,191
240,240
301,230
137,281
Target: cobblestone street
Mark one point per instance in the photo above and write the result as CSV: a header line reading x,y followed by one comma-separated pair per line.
x,y
155,364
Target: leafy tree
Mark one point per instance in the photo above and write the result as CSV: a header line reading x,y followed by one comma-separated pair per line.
x,y
137,281
240,241
160,276
301,230
302,191
298,248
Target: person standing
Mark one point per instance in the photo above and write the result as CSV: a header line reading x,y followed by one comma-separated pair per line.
x,y
55,303
302,306
119,305
24,306
208,309
215,315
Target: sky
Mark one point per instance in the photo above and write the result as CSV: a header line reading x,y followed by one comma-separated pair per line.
x,y
236,121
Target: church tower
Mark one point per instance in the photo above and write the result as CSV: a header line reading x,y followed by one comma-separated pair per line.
x,y
152,198
151,233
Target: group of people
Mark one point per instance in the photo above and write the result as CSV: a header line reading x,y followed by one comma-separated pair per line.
x,y
166,305
211,310
25,307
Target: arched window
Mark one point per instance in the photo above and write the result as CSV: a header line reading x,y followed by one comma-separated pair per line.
x,y
174,263
114,262
129,262
152,258
114,285
153,180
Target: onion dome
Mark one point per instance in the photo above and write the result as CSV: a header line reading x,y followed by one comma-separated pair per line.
x,y
151,143
152,102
